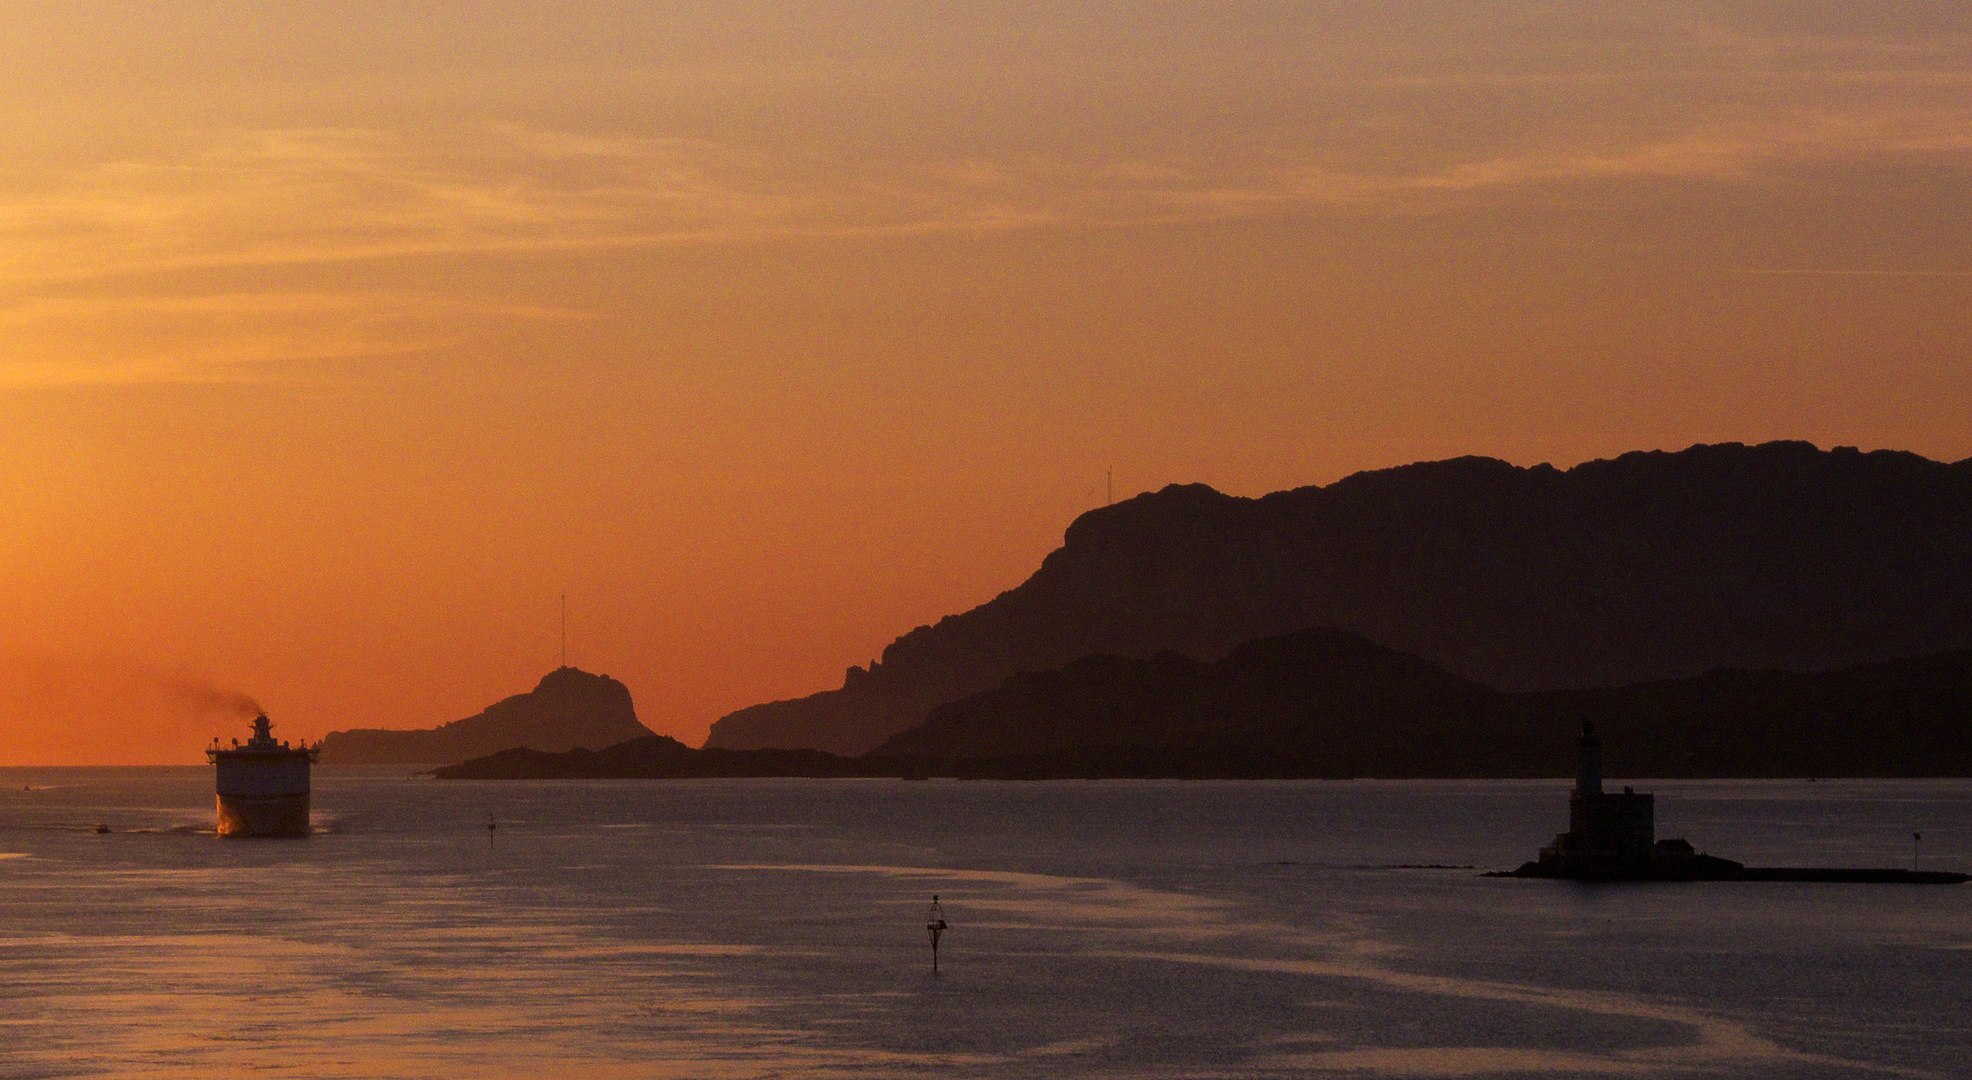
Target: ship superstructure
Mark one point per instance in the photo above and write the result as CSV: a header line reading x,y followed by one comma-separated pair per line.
x,y
262,784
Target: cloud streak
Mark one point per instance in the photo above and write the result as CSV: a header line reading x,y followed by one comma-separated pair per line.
x,y
97,254
257,198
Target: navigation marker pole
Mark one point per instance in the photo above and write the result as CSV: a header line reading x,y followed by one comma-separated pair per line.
x,y
934,925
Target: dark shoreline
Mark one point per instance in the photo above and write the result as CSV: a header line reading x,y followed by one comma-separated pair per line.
x,y
658,757
1821,874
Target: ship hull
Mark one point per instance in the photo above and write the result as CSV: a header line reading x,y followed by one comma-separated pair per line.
x,y
264,815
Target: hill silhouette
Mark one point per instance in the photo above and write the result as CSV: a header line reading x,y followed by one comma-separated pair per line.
x,y
566,709
1649,566
1268,695
1328,704
1325,703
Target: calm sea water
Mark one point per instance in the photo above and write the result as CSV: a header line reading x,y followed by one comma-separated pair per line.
x,y
1113,929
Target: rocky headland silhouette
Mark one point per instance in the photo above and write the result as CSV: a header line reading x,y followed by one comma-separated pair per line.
x,y
568,708
1325,703
1651,566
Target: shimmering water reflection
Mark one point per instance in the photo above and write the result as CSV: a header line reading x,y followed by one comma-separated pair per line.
x,y
774,928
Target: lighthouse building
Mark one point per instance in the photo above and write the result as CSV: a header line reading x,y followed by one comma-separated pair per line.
x,y
1604,827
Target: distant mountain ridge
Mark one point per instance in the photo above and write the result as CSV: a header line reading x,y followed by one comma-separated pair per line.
x,y
1325,703
1649,566
1265,698
568,708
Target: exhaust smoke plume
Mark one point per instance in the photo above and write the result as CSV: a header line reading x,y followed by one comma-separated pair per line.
x,y
203,695
109,710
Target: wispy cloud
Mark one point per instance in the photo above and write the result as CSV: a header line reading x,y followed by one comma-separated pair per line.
x,y
241,336
1782,272
1737,151
101,262
304,196
270,197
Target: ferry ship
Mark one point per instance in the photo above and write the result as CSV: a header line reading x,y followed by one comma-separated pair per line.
x,y
262,785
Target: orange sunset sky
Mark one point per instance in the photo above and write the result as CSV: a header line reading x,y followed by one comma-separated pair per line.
x,y
338,340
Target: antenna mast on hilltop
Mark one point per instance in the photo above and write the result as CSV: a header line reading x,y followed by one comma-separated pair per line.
x,y
564,629
1109,486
